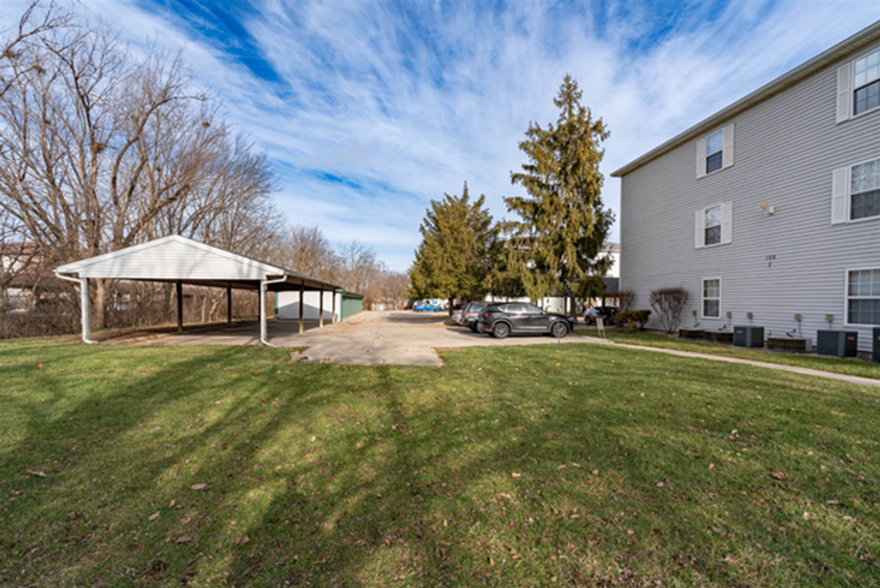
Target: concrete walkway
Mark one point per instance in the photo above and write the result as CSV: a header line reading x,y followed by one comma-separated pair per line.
x,y
858,380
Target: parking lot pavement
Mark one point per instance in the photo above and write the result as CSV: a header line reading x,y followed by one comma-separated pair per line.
x,y
369,338
397,338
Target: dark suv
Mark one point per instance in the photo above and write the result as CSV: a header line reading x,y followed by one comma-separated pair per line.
x,y
501,320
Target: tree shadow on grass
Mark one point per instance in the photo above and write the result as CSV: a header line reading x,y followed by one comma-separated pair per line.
x,y
522,466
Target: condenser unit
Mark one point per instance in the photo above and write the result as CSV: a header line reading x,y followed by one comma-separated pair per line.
x,y
748,336
838,343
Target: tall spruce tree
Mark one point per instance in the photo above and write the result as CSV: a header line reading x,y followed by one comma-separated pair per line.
x,y
459,242
562,223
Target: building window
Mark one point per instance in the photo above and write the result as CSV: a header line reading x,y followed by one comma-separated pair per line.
x,y
866,83
712,298
715,151
713,225
855,192
865,190
863,297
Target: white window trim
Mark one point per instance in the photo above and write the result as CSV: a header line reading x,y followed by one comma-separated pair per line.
x,y
727,142
703,298
848,195
849,88
726,218
846,274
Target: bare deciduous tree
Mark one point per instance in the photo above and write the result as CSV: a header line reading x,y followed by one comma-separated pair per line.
x,y
99,151
307,251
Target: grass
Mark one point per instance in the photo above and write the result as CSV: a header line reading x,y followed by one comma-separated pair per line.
x,y
852,367
520,466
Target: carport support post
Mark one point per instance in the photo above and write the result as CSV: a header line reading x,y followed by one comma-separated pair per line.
x,y
179,307
302,297
321,308
333,306
86,310
263,329
229,304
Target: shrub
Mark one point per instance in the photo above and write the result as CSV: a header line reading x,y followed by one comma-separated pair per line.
x,y
633,320
624,299
668,304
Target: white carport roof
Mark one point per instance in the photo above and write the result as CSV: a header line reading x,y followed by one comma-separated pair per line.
x,y
178,259
184,261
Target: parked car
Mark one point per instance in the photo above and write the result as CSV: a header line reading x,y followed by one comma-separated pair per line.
x,y
471,314
514,318
430,306
456,315
607,312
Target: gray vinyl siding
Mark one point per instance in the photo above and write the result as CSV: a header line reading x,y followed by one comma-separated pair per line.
x,y
786,149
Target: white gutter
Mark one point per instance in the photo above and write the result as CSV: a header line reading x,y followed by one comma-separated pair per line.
x,y
264,331
84,302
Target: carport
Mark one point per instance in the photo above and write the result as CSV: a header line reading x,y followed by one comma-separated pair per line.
x,y
178,260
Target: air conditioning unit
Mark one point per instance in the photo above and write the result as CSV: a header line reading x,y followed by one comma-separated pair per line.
x,y
837,343
748,336
876,339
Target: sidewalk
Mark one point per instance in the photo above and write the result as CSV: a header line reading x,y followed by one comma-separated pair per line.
x,y
859,381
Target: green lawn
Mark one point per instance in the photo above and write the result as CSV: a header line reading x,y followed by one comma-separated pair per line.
x,y
848,366
519,466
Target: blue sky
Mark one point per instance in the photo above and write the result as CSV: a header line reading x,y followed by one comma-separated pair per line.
x,y
369,109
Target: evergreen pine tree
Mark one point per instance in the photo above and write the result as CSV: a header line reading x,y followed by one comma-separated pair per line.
x,y
457,249
562,223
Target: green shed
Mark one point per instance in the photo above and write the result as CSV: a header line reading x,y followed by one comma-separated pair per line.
x,y
352,304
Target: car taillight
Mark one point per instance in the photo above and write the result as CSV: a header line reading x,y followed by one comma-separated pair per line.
x,y
485,314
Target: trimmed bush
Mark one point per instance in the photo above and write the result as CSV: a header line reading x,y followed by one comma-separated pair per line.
x,y
633,320
668,304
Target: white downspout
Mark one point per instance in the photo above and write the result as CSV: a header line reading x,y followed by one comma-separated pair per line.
x,y
264,330
84,302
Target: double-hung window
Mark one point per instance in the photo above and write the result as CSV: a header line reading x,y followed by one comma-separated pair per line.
x,y
714,225
863,297
858,86
712,231
712,298
715,151
855,192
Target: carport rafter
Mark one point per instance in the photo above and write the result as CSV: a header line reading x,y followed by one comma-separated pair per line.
x,y
178,260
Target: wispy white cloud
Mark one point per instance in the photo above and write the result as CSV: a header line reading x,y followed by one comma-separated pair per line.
x,y
374,108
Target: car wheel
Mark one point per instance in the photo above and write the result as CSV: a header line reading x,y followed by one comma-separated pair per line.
x,y
500,331
559,330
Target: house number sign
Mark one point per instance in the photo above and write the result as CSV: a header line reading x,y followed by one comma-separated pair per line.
x,y
770,259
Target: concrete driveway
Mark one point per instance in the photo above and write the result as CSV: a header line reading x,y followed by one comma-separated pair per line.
x,y
369,338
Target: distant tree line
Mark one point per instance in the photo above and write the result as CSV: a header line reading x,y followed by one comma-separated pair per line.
x,y
551,247
352,265
102,148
